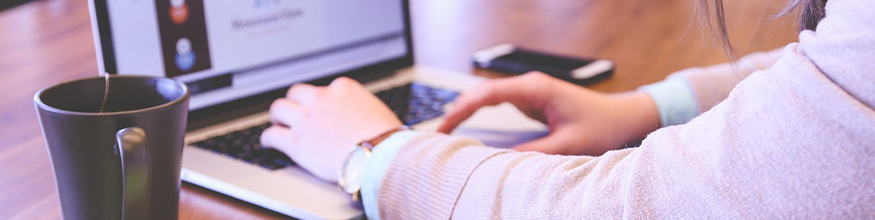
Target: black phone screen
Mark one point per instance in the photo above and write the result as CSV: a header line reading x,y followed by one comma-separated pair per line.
x,y
519,61
540,61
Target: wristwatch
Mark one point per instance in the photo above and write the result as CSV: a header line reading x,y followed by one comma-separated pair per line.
x,y
353,167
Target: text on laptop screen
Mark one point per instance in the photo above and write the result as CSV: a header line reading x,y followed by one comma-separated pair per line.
x,y
226,50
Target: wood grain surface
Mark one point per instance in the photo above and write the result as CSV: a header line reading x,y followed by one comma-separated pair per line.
x,y
47,42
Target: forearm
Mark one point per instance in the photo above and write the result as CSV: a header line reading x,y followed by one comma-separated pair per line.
x,y
687,93
711,85
640,117
441,177
538,186
424,176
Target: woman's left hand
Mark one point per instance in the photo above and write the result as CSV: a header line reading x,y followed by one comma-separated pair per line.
x,y
316,126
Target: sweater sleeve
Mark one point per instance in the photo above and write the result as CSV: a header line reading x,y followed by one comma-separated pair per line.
x,y
375,169
711,85
687,93
442,177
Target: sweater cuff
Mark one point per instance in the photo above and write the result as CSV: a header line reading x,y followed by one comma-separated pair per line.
x,y
376,167
675,101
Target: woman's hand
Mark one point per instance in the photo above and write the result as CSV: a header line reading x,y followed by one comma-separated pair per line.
x,y
581,121
316,126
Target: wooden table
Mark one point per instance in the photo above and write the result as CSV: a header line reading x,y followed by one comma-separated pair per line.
x,y
47,42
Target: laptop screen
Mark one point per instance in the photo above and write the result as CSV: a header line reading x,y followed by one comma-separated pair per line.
x,y
225,50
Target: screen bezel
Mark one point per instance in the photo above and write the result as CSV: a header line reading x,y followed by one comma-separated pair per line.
x,y
106,64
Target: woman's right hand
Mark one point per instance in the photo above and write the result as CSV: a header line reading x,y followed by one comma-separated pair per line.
x,y
581,121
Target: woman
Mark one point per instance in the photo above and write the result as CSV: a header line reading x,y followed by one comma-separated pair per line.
x,y
793,140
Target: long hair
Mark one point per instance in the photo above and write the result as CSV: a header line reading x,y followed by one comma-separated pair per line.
x,y
809,13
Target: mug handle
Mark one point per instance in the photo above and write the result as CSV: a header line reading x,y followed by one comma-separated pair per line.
x,y
136,172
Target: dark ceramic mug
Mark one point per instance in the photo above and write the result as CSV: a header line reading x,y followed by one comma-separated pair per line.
x,y
123,163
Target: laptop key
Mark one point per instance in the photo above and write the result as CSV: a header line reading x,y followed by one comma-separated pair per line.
x,y
234,152
250,156
244,144
415,103
276,157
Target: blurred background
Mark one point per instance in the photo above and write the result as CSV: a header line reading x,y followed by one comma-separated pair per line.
x,y
49,41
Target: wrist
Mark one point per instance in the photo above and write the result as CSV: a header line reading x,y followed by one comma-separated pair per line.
x,y
355,161
377,129
642,115
674,100
378,166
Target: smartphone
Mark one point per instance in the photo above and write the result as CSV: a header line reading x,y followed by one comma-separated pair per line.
x,y
512,59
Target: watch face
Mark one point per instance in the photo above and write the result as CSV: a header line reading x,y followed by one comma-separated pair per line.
x,y
354,170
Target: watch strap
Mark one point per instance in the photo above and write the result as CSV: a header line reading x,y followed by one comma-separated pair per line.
x,y
371,143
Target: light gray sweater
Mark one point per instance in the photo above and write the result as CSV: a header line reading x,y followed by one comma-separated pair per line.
x,y
794,141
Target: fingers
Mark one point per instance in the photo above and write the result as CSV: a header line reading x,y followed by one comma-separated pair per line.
x,y
302,93
457,114
555,143
344,83
281,138
286,112
488,93
305,93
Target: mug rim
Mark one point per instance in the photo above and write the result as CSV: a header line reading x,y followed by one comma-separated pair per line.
x,y
41,105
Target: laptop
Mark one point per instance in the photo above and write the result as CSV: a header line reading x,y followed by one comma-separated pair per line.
x,y
239,56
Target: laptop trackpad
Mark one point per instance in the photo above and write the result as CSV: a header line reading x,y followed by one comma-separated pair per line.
x,y
502,126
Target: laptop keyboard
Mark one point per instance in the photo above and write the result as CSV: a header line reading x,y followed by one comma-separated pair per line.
x,y
415,103
245,145
412,103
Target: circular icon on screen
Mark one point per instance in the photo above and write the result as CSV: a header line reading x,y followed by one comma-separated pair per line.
x,y
178,11
185,57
